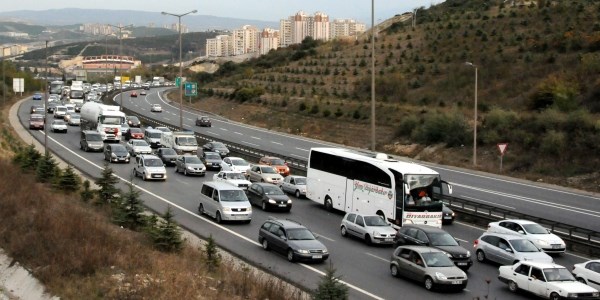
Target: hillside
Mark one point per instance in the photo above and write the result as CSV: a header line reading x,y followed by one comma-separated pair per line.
x,y
537,88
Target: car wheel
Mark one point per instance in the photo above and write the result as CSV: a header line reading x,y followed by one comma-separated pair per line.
x,y
368,240
201,209
290,255
185,172
265,244
86,148
218,217
394,271
134,173
428,283
176,169
480,256
262,180
297,194
264,206
328,204
512,286
343,231
144,176
554,296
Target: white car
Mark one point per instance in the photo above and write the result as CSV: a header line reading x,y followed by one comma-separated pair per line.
x,y
547,280
234,178
149,167
156,108
588,273
294,184
136,147
60,111
237,164
59,126
264,173
372,229
74,120
540,236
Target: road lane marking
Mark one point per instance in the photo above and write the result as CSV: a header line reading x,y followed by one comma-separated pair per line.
x,y
277,143
167,119
188,119
256,138
237,133
322,236
377,257
302,149
297,155
464,241
477,199
224,129
248,143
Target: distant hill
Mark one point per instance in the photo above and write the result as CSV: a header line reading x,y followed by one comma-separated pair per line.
x,y
21,27
68,16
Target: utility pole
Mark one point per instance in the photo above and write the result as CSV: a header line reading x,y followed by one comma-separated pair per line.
x,y
120,27
46,102
373,75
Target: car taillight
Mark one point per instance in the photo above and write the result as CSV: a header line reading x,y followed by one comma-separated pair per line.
x,y
475,243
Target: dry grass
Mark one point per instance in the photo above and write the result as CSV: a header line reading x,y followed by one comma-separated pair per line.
x,y
78,254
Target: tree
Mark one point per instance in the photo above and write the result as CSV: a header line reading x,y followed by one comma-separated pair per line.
x,y
68,180
86,194
28,158
47,169
129,211
212,257
330,287
107,183
166,234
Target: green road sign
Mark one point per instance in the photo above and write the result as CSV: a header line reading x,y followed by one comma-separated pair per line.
x,y
191,88
177,81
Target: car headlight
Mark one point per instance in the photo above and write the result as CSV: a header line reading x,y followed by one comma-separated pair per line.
x,y
113,155
272,201
440,276
127,155
190,168
249,209
596,294
303,251
376,233
543,242
325,251
226,209
449,255
468,253
289,201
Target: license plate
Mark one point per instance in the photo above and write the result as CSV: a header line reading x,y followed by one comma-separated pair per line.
x,y
157,176
389,240
456,282
555,246
317,256
448,218
282,205
215,164
462,263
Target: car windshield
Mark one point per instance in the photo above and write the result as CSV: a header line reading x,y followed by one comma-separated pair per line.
x,y
375,221
535,229
187,141
523,246
153,162
154,135
300,180
272,190
168,151
163,129
212,156
134,119
139,143
61,108
75,117
111,120
59,122
192,160
94,137
239,162
204,119
218,145
37,119
437,259
135,130
268,170
299,234
233,196
442,239
558,274
235,176
277,162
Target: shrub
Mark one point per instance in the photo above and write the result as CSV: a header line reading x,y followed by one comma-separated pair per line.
x,y
553,143
356,114
440,128
28,158
326,113
407,126
166,234
68,180
212,258
128,211
314,109
47,169
330,287
302,106
338,113
86,194
107,183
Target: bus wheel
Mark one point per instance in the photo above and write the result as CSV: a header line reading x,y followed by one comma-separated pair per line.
x,y
381,214
328,204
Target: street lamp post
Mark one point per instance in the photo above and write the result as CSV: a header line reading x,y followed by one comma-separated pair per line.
x,y
46,102
180,65
474,117
3,77
373,75
121,60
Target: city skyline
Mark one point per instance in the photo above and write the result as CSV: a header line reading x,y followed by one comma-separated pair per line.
x,y
266,10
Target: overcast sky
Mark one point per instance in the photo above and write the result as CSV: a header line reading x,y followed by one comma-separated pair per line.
x,y
267,10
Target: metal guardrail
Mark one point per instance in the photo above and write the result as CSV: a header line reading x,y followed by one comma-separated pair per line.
x,y
578,239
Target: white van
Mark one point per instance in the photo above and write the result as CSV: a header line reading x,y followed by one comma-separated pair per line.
x,y
152,137
224,202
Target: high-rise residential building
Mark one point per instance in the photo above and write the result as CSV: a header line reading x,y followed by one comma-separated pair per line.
x,y
219,46
245,40
269,39
175,27
300,27
285,33
346,28
319,27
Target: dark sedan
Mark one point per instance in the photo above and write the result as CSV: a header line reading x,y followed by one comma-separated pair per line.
x,y
133,133
133,121
203,121
51,107
217,147
167,155
211,160
268,196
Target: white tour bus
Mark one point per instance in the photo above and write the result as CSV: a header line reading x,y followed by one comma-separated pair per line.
x,y
352,181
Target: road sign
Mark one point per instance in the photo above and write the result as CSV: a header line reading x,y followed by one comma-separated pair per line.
x,y
502,147
18,85
178,81
191,89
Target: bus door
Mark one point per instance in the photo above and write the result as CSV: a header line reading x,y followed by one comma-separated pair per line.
x,y
349,205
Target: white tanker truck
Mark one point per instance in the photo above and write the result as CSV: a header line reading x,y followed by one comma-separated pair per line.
x,y
106,119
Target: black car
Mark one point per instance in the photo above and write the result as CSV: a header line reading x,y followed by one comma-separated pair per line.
x,y
78,107
217,147
167,155
203,121
133,121
116,153
212,160
425,235
51,107
448,215
292,239
268,196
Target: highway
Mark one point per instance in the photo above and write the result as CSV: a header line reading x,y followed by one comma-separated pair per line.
x,y
364,268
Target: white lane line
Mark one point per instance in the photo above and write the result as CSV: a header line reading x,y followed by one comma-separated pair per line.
x,y
322,236
256,138
237,133
495,204
189,119
224,129
247,143
469,225
295,155
277,143
212,132
464,241
142,108
302,149
377,257
167,119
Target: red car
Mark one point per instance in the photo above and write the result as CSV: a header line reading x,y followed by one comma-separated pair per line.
x,y
133,94
279,164
134,133
36,121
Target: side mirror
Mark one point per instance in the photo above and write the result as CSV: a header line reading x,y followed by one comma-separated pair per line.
x,y
549,231
521,232
508,250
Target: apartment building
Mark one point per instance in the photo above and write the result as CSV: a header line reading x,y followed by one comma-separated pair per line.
x,y
269,39
345,28
219,46
245,40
